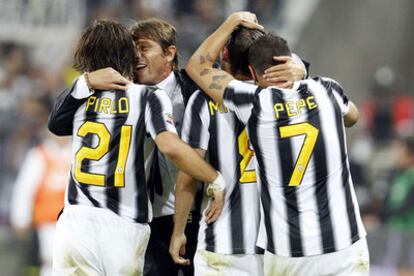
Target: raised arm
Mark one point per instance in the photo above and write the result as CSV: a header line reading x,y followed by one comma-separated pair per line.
x,y
200,66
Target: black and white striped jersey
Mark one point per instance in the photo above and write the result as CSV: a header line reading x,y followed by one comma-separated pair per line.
x,y
304,179
111,145
212,127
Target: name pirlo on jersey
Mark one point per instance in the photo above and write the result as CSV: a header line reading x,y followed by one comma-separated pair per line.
x,y
307,194
212,127
110,135
107,105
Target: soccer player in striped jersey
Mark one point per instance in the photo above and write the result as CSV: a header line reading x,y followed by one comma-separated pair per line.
x,y
104,226
157,54
211,127
311,215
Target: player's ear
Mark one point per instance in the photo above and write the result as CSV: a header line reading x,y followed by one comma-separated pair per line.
x,y
170,53
254,74
226,55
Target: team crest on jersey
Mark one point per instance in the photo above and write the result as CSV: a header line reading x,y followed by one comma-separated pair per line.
x,y
169,118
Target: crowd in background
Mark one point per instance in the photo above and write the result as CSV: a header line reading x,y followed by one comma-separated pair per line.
x,y
381,146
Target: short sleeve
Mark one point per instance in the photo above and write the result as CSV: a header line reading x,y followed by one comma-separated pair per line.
x,y
303,63
81,90
240,97
158,113
196,122
332,86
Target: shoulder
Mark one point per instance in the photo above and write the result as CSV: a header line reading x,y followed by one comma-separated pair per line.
x,y
185,81
328,83
198,96
187,85
237,84
133,87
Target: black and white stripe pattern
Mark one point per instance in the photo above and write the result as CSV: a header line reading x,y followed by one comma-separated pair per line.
x,y
213,128
320,215
149,113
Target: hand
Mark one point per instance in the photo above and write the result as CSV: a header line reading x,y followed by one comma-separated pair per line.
x,y
285,74
215,208
246,19
107,79
177,249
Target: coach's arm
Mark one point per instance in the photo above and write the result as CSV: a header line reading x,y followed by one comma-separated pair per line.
x,y
61,117
200,66
65,107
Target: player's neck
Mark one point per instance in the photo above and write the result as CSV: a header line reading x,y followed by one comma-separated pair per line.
x,y
242,77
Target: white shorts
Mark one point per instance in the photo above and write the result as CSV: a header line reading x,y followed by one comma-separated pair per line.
x,y
352,261
96,241
46,235
210,263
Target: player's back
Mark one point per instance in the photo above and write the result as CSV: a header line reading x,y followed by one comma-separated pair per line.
x,y
300,142
306,187
109,151
212,127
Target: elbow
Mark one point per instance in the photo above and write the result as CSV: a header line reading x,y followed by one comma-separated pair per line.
x,y
56,128
350,123
171,149
352,117
53,127
191,67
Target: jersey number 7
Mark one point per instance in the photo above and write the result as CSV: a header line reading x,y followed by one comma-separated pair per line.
x,y
86,153
311,136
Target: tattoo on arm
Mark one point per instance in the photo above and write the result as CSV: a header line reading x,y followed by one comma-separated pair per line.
x,y
205,72
209,58
219,77
215,85
216,82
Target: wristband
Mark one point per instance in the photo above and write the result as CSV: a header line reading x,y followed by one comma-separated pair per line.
x,y
218,185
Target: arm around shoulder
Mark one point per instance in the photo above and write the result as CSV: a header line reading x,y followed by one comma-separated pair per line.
x,y
61,117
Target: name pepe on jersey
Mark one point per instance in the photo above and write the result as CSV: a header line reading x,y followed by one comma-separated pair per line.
x,y
107,105
294,108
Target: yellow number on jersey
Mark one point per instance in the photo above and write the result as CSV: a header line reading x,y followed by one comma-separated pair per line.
x,y
99,151
246,176
311,135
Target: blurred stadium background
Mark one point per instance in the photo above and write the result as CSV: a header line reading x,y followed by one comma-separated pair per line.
x,y
365,45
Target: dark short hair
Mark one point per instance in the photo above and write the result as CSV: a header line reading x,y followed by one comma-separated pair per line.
x,y
106,44
262,51
159,31
238,46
